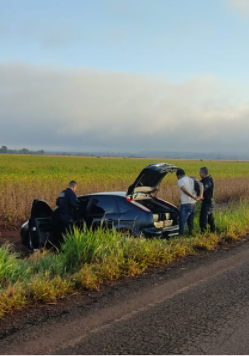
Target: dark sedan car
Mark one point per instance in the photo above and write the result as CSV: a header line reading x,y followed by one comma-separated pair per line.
x,y
137,212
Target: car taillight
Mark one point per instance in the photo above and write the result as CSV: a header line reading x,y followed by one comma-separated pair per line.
x,y
137,204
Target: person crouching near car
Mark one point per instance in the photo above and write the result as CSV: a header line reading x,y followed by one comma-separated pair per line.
x,y
188,201
207,206
67,203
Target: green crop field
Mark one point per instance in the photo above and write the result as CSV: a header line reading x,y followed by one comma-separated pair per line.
x,y
24,178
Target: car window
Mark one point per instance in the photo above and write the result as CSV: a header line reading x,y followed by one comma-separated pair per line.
x,y
83,205
101,205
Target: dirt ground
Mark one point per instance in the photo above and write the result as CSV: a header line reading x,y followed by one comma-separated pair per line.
x,y
11,235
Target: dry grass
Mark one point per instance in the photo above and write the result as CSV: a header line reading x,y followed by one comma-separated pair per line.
x,y
24,179
16,199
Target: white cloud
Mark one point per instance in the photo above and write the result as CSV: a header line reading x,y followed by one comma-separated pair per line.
x,y
240,6
90,109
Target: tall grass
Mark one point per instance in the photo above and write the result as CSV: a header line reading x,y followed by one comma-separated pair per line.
x,y
87,259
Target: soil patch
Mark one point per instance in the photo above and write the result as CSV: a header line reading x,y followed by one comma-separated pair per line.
x,y
10,234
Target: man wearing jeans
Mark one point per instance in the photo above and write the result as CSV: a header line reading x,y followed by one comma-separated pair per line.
x,y
188,201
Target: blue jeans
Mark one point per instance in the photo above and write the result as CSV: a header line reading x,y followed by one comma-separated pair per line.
x,y
187,214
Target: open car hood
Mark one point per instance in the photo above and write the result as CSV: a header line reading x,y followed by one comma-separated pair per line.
x,y
150,178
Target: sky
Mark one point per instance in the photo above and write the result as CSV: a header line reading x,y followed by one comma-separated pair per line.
x,y
125,75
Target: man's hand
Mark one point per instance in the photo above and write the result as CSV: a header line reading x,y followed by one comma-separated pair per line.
x,y
188,193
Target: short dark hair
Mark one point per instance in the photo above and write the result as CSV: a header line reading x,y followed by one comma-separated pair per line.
x,y
180,172
72,184
204,170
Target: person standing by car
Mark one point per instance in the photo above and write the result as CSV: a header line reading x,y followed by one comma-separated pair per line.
x,y
207,206
188,201
67,203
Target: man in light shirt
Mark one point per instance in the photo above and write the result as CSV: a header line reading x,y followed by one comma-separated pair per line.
x,y
188,201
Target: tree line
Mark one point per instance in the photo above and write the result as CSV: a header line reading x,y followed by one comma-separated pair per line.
x,y
25,151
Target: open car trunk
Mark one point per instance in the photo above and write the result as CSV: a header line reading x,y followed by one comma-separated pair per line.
x,y
164,215
150,178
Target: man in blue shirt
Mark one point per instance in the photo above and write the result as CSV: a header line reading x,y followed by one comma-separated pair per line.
x,y
68,203
207,206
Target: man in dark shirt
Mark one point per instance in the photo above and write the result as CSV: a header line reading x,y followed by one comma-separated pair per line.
x,y
68,203
207,206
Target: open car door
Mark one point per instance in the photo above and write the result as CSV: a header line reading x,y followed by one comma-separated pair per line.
x,y
41,224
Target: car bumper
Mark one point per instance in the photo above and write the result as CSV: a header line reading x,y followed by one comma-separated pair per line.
x,y
171,231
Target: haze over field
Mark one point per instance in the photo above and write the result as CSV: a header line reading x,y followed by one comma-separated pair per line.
x,y
125,75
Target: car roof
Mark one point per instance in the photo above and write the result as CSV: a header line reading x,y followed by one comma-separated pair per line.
x,y
121,194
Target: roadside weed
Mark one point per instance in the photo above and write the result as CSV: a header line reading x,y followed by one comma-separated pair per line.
x,y
44,289
46,262
87,259
12,298
9,266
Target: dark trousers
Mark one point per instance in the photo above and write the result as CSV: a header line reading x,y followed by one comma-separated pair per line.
x,y
66,223
207,217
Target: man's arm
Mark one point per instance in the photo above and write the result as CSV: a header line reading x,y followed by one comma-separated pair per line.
x,y
207,185
188,193
200,196
201,190
73,200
